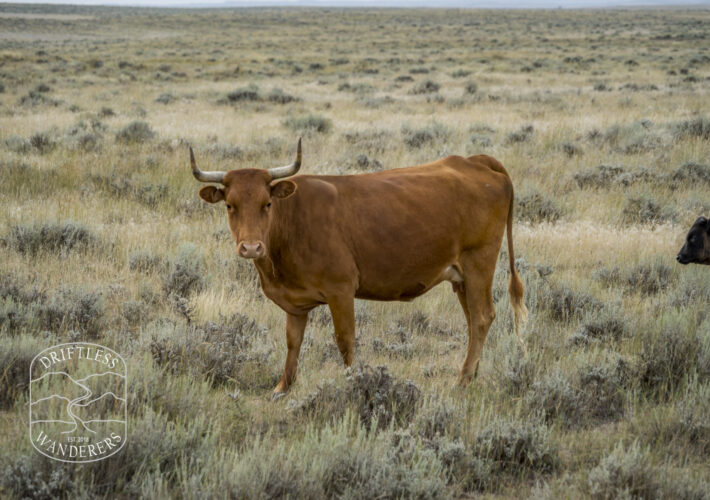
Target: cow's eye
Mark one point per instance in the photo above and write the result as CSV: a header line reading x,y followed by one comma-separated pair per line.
x,y
268,205
229,207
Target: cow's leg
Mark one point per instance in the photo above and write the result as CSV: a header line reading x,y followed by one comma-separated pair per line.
x,y
342,308
295,326
477,301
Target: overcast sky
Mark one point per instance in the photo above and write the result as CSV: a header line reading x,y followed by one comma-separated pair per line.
x,y
383,3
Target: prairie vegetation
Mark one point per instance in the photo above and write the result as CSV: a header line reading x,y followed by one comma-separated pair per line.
x,y
602,119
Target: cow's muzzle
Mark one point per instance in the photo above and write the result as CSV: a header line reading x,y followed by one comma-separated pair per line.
x,y
682,259
251,249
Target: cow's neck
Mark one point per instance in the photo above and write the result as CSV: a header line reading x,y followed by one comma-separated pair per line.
x,y
276,265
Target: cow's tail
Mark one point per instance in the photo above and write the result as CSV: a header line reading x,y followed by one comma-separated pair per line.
x,y
515,288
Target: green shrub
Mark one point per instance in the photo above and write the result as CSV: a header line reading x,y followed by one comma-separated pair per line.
x,y
244,94
309,124
343,460
635,138
30,476
419,70
231,350
422,324
278,96
165,98
645,210
624,473
51,237
480,140
647,278
425,87
36,98
426,136
372,141
398,345
357,88
155,444
690,293
669,355
692,173
88,142
524,134
42,142
471,87
535,208
516,372
74,308
697,127
17,144
517,447
435,417
185,273
595,394
466,472
571,150
564,303
13,287
682,429
148,194
650,278
603,328
16,354
145,262
602,176
373,393
136,132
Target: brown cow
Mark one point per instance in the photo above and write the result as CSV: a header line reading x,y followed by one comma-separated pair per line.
x,y
696,249
391,235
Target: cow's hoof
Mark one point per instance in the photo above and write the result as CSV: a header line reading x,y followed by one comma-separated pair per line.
x,y
277,395
464,380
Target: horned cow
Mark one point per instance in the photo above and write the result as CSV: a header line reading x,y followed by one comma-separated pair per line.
x,y
389,235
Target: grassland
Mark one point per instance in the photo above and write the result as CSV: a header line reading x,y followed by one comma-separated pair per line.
x,y
600,116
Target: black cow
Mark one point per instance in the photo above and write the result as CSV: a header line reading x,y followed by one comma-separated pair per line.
x,y
697,244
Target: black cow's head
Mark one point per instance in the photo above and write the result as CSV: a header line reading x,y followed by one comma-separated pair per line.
x,y
697,244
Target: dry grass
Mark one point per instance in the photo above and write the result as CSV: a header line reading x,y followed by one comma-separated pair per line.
x,y
600,116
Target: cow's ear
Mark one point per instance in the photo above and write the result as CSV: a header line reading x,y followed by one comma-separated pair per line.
x,y
211,194
283,189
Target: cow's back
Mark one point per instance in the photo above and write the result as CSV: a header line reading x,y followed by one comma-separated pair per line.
x,y
402,227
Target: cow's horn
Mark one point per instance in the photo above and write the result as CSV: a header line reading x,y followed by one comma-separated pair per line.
x,y
204,176
288,170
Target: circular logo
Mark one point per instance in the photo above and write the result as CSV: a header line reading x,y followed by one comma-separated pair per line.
x,y
78,402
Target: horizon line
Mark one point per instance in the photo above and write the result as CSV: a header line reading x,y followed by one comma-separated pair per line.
x,y
369,4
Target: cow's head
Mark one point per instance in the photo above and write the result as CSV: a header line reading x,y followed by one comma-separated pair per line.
x,y
248,195
697,244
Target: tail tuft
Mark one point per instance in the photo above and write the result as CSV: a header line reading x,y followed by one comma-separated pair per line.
x,y
520,312
515,289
